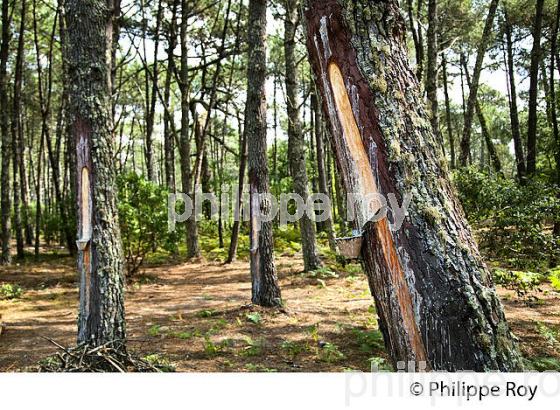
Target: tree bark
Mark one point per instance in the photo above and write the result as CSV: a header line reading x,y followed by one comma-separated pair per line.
x,y
533,90
100,260
480,52
434,295
296,139
514,116
265,289
5,256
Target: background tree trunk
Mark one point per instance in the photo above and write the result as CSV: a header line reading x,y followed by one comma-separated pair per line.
x,y
431,69
100,260
433,293
514,116
473,90
452,163
5,257
296,140
193,250
323,186
533,90
265,289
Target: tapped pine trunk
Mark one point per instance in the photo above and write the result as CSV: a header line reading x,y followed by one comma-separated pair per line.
x,y
100,257
434,295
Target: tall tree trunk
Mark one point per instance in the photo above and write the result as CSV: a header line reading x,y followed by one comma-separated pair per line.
x,y
533,90
151,98
323,187
265,289
296,139
193,250
234,242
480,52
431,69
554,113
434,295
168,137
514,116
100,260
448,112
5,257
16,135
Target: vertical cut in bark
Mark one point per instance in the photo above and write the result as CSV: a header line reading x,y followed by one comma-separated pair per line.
x,y
434,295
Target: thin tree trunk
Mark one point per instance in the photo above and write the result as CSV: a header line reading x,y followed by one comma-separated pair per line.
x,y
100,260
533,90
496,163
151,98
234,242
296,139
431,69
448,112
480,52
5,257
514,116
554,113
265,289
323,187
434,295
17,142
168,137
193,249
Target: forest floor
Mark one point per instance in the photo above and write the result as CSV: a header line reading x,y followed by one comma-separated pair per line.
x,y
198,317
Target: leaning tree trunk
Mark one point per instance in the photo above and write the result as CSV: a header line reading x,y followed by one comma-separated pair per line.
x,y
296,139
265,289
473,90
100,259
434,295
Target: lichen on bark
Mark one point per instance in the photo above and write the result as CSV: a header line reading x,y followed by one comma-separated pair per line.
x,y
456,309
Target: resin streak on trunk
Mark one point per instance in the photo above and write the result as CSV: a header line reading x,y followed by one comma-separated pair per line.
x,y
433,293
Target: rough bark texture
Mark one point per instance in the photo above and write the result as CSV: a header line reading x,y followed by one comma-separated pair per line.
x,y
473,90
100,260
433,293
5,257
265,289
296,139
513,113
533,90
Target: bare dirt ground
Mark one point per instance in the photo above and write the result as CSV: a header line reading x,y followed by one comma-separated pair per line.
x,y
199,318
